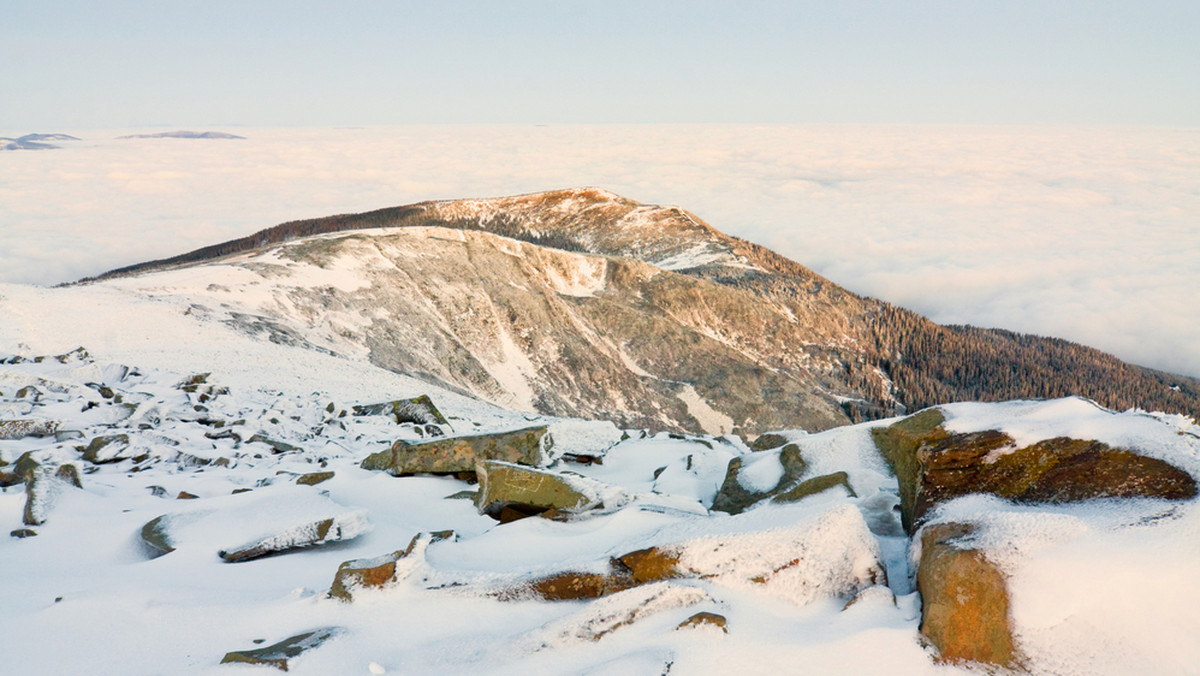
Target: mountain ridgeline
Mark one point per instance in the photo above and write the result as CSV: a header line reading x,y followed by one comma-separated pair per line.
x,y
584,303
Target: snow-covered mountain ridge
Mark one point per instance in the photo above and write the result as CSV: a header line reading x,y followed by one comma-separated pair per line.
x,y
584,303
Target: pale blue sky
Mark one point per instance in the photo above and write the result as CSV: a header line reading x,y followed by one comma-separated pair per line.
x,y
105,63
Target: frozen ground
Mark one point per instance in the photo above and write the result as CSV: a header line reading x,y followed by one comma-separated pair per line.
x,y
1100,587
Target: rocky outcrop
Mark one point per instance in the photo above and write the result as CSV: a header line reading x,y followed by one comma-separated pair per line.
x,y
459,454
934,465
279,654
964,599
68,474
105,449
418,411
506,485
817,484
734,497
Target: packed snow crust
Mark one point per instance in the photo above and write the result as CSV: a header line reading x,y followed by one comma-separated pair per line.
x,y
1097,587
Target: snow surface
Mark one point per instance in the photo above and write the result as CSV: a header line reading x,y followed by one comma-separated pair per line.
x,y
1098,587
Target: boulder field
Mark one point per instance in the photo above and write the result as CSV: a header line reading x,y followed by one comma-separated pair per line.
x,y
938,534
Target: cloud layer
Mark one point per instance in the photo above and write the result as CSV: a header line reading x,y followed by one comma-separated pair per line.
x,y
1087,233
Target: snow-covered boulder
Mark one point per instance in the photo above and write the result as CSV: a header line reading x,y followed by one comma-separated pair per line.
x,y
602,617
418,411
829,554
964,599
279,654
459,454
345,526
934,464
503,484
383,570
751,479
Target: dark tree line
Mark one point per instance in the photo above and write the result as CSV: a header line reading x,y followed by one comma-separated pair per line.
x,y
934,364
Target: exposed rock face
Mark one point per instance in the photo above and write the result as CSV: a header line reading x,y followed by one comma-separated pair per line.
x,y
898,443
733,497
278,654
459,454
964,599
933,466
502,484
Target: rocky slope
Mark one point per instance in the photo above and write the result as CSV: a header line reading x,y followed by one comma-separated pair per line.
x,y
584,303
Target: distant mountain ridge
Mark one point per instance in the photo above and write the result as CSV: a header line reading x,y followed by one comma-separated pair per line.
x,y
605,307
34,141
186,134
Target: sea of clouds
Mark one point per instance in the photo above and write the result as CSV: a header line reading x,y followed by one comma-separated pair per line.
x,y
1086,233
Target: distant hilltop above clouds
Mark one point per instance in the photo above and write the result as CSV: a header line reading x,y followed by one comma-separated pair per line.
x,y
33,141
186,134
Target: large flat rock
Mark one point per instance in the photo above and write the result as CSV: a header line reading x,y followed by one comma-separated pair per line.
x,y
934,465
459,454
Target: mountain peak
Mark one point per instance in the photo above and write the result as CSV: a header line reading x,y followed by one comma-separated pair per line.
x,y
583,303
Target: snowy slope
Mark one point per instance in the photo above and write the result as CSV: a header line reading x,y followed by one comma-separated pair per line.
x,y
1098,587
